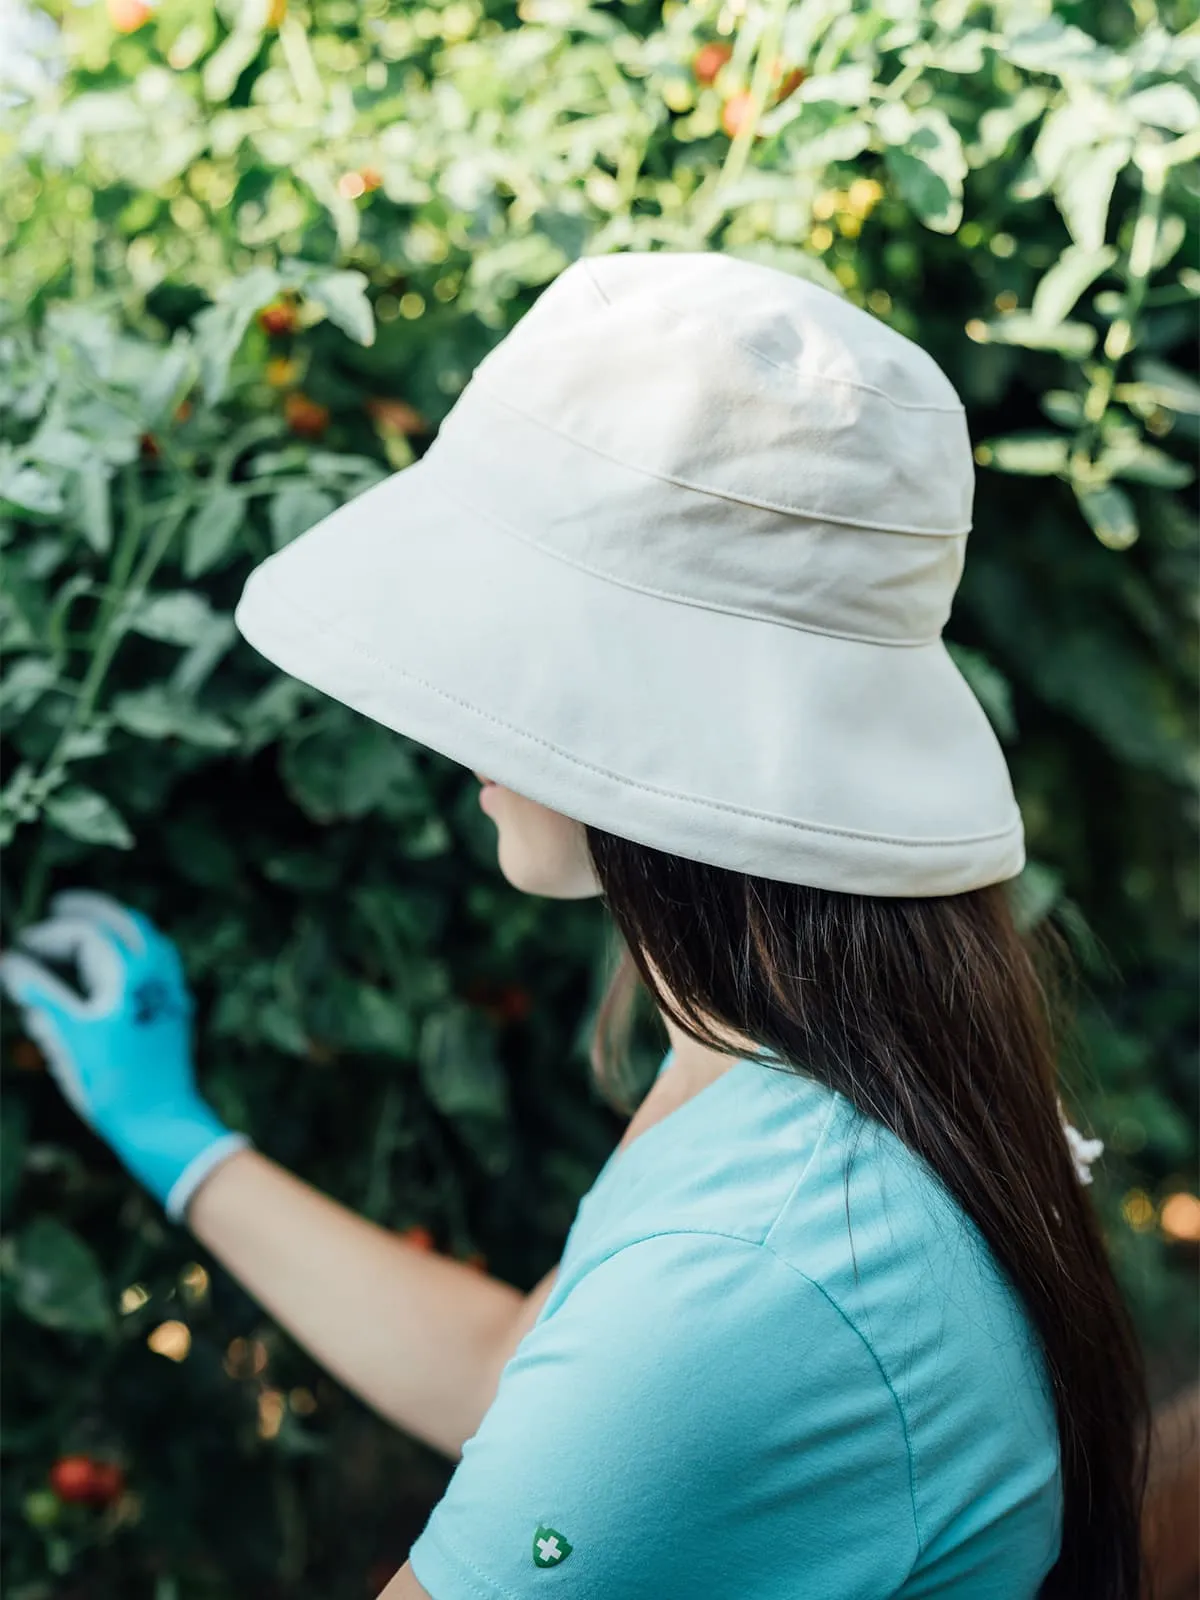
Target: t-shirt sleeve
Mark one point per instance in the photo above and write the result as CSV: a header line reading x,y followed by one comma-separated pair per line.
x,y
691,1416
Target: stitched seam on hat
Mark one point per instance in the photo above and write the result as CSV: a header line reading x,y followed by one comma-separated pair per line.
x,y
390,668
956,410
483,391
668,594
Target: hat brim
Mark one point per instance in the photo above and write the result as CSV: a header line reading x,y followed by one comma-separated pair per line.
x,y
827,761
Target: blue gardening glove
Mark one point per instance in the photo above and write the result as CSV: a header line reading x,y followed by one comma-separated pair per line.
x,y
121,1051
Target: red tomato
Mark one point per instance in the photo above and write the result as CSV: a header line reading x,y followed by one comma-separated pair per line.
x,y
709,60
85,1481
418,1236
278,318
305,417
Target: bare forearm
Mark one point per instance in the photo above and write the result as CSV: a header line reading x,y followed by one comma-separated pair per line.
x,y
419,1337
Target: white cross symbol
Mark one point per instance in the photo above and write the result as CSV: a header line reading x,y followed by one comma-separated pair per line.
x,y
549,1549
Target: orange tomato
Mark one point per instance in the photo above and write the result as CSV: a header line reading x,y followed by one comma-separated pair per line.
x,y
305,417
709,60
395,416
127,16
419,1237
735,111
278,318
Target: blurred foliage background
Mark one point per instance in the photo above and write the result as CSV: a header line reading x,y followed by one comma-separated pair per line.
x,y
253,251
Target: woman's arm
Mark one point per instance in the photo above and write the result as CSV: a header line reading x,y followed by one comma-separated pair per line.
x,y
420,1337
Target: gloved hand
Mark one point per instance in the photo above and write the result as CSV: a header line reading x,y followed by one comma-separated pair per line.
x,y
121,1052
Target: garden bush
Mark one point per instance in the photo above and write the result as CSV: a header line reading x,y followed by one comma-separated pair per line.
x,y
253,253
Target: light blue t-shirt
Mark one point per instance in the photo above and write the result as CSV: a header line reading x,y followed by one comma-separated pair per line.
x,y
713,1404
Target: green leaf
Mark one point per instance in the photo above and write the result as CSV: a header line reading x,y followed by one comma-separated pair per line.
x,y
297,507
344,766
1061,49
86,815
1084,191
1142,463
24,683
343,296
1062,406
95,510
1168,387
1037,454
1166,105
158,712
212,530
930,169
1066,280
1034,894
59,1283
459,1066
183,617
990,687
1111,515
221,327
1018,327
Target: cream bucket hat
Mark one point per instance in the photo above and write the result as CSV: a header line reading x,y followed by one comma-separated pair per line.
x,y
677,565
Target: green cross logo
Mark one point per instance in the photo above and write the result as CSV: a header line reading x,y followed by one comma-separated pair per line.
x,y
550,1548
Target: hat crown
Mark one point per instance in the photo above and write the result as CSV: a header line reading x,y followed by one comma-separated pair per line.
x,y
788,455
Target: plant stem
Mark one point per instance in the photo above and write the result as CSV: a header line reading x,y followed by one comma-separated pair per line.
x,y
1121,336
739,151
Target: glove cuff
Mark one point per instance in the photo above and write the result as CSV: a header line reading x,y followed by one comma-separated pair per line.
x,y
194,1174
171,1152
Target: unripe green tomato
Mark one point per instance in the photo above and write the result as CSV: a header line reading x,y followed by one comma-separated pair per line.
x,y
42,1508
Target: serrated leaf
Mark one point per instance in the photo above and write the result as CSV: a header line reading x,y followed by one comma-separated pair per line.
x,y
183,618
212,530
88,816
158,713
59,1283
929,170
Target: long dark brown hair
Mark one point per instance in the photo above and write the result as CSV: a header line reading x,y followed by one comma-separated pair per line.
x,y
939,1018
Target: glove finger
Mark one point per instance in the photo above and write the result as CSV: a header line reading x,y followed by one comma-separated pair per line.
x,y
100,957
29,983
128,925
58,1058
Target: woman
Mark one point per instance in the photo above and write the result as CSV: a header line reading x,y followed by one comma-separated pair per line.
x,y
836,1319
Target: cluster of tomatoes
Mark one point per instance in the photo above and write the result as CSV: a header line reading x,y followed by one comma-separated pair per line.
x,y
80,1480
707,63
